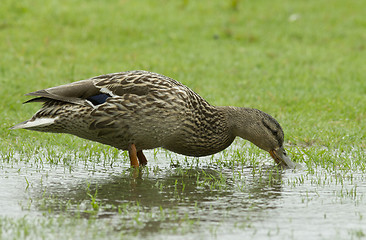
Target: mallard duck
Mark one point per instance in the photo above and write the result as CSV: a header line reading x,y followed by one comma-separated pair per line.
x,y
138,110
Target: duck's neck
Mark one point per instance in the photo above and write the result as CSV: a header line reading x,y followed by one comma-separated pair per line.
x,y
241,121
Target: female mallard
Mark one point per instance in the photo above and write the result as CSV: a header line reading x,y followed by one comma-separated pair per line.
x,y
139,110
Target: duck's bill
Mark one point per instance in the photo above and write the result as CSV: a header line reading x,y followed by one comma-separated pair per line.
x,y
281,158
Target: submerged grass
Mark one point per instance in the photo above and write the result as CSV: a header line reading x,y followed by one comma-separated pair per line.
x,y
292,59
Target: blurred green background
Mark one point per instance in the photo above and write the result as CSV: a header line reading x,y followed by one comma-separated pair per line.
x,y
301,61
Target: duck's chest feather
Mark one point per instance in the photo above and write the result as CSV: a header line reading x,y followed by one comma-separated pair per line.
x,y
202,132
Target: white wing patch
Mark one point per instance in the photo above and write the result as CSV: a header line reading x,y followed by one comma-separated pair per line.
x,y
107,91
39,122
90,103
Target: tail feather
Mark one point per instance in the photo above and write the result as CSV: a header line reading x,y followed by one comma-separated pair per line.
x,y
34,123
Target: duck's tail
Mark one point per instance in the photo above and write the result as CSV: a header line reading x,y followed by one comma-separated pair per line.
x,y
34,124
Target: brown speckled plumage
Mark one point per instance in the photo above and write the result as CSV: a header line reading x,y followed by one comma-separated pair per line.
x,y
139,110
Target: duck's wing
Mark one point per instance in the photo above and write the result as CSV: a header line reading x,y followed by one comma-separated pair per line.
x,y
140,83
96,90
75,92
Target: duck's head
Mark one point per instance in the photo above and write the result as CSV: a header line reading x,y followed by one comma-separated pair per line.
x,y
264,131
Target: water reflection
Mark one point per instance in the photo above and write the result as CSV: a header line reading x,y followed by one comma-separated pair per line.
x,y
205,191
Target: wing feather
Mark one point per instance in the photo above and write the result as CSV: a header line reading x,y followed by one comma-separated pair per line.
x,y
141,83
75,92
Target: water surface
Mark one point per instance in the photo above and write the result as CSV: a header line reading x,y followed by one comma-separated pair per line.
x,y
69,195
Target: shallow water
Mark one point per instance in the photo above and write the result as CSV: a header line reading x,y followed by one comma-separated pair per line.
x,y
69,196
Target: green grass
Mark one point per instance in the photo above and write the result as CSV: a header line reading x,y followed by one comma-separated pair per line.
x,y
308,73
301,61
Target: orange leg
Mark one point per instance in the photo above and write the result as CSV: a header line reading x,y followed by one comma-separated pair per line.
x,y
133,155
142,158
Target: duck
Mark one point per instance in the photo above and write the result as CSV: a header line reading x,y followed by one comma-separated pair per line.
x,y
139,110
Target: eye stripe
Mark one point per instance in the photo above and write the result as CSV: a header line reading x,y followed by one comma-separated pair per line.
x,y
274,132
